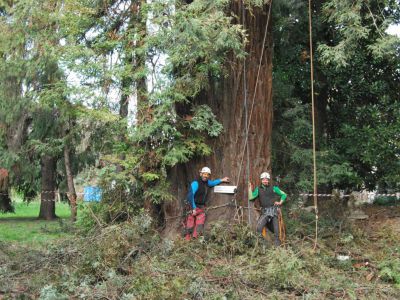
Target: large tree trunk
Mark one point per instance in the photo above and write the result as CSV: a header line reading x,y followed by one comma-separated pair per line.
x,y
144,111
48,172
5,201
226,98
70,183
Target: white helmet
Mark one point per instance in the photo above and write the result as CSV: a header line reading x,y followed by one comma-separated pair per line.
x,y
265,175
205,170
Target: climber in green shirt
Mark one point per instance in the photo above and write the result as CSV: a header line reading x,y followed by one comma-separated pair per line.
x,y
268,196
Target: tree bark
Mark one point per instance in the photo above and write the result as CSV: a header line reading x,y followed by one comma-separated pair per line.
x,y
226,98
5,201
128,80
144,110
139,62
70,183
48,177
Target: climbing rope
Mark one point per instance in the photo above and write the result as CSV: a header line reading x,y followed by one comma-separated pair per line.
x,y
254,95
206,210
282,228
313,125
246,116
238,215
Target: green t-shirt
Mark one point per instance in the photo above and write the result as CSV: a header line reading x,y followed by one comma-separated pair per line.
x,y
254,194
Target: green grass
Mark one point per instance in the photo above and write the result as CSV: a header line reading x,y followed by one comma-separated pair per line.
x,y
24,227
387,201
31,210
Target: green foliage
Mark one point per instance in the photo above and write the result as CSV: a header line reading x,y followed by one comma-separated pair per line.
x,y
389,271
130,259
355,95
387,201
120,202
385,47
255,3
159,193
204,120
195,41
278,269
86,219
148,177
356,24
50,293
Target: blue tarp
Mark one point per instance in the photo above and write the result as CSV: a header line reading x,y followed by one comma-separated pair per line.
x,y
91,194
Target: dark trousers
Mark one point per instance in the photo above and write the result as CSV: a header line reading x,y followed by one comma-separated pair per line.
x,y
272,224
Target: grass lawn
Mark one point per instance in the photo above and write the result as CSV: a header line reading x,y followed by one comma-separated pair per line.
x,y
23,226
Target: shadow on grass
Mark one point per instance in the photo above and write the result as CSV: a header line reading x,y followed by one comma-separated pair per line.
x,y
30,219
19,219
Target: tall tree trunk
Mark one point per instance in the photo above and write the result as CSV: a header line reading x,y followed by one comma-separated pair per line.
x,y
144,111
139,61
48,172
70,183
226,98
5,201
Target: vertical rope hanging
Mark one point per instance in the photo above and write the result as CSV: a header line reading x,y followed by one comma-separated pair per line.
x,y
246,118
254,96
313,126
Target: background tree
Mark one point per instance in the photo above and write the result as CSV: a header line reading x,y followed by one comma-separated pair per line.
x,y
14,112
353,81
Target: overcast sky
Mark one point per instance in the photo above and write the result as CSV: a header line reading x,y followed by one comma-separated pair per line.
x,y
394,29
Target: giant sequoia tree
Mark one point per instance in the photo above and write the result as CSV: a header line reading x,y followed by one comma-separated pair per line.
x,y
227,96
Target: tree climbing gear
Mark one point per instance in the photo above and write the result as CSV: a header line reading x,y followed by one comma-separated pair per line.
x,y
282,228
265,175
206,170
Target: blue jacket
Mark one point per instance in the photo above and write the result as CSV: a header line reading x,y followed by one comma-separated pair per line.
x,y
194,186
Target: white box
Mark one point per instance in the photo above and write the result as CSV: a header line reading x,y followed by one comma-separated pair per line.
x,y
225,189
